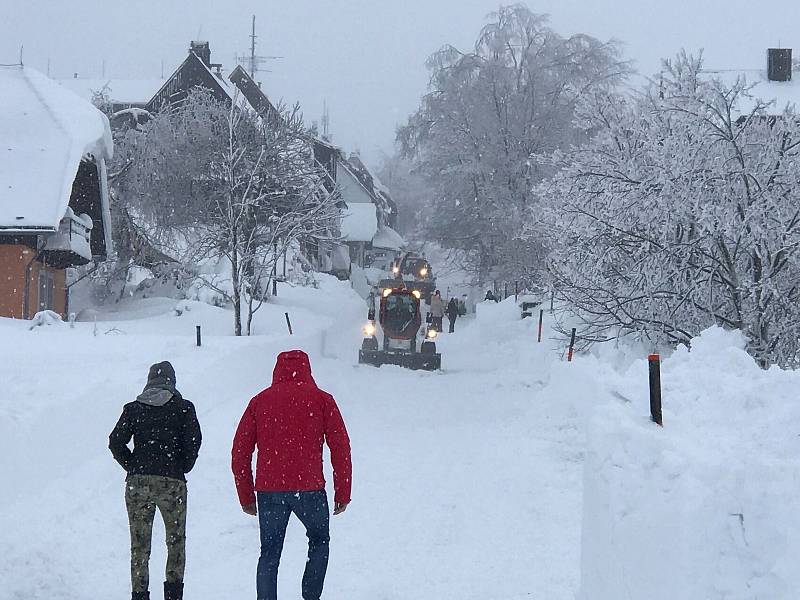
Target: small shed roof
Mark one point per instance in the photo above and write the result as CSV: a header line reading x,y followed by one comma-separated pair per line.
x,y
47,131
359,222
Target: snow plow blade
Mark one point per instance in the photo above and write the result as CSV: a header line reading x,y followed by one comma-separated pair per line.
x,y
415,361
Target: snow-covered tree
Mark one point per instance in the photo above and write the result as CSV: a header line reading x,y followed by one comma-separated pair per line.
x,y
681,214
488,112
213,181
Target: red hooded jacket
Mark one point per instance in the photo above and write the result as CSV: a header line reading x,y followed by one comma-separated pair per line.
x,y
288,422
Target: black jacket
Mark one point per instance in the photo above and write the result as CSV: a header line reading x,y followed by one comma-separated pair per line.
x,y
166,435
452,309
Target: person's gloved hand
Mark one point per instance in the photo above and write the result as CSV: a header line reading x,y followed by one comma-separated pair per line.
x,y
250,509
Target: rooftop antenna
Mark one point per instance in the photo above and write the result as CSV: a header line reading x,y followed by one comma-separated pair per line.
x,y
21,64
252,60
162,68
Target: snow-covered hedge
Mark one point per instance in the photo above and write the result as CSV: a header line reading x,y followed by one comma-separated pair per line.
x,y
706,507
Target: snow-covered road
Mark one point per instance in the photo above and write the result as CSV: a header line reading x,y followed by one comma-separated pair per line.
x,y
467,482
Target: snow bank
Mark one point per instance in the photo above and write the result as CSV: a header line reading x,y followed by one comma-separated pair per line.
x,y
703,508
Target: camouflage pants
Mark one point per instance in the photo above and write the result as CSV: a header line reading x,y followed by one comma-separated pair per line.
x,y
143,494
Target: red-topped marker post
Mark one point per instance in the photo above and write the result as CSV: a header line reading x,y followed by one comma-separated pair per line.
x,y
654,361
541,318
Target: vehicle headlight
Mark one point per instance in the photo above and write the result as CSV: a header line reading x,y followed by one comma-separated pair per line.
x,y
432,333
369,328
423,271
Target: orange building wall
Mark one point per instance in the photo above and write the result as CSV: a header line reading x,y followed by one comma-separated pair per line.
x,y
13,262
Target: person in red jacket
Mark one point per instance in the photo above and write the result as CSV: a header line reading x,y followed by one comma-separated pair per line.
x,y
288,423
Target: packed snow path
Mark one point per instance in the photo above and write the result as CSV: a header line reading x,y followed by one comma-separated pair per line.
x,y
467,482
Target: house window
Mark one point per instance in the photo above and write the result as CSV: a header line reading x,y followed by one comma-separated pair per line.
x,y
47,288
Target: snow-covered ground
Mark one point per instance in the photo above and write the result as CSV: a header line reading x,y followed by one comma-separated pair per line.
x,y
468,483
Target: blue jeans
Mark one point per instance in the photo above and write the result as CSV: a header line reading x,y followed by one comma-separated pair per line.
x,y
274,510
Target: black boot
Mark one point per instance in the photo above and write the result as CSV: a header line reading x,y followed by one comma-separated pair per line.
x,y
140,596
173,590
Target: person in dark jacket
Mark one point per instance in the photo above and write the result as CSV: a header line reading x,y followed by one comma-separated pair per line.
x,y
452,313
490,296
288,422
166,441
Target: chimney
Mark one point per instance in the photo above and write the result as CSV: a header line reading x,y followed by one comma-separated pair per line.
x,y
779,64
202,50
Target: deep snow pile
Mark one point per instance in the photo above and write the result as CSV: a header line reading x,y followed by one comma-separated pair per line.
x,y
705,507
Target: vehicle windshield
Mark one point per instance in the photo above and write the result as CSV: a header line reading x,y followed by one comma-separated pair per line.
x,y
401,310
414,266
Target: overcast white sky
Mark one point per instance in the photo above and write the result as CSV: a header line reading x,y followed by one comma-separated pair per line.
x,y
365,57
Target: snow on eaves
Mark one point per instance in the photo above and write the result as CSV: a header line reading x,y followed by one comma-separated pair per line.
x,y
47,131
387,238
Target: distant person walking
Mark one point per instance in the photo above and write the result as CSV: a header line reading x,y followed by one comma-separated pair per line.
x,y
437,310
453,311
490,296
166,440
288,423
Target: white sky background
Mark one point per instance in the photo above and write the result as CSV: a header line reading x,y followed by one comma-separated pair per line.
x,y
366,58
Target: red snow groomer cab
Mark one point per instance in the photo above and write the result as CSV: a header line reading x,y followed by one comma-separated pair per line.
x,y
404,341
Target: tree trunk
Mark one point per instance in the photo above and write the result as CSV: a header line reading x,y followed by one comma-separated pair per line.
x,y
237,295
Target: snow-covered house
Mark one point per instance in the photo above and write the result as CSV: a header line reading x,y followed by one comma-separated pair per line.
x,y
197,71
368,212
54,211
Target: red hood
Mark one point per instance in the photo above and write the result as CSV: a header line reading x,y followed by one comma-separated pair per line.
x,y
292,366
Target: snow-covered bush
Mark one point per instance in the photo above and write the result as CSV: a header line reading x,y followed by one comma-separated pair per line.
x,y
678,215
45,318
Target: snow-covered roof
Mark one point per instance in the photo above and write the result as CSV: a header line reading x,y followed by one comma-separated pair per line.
x,y
359,222
783,93
120,91
46,132
388,238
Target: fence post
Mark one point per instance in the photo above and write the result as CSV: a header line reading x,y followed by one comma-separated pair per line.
x,y
571,345
288,323
199,336
505,290
552,296
654,361
516,291
541,318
